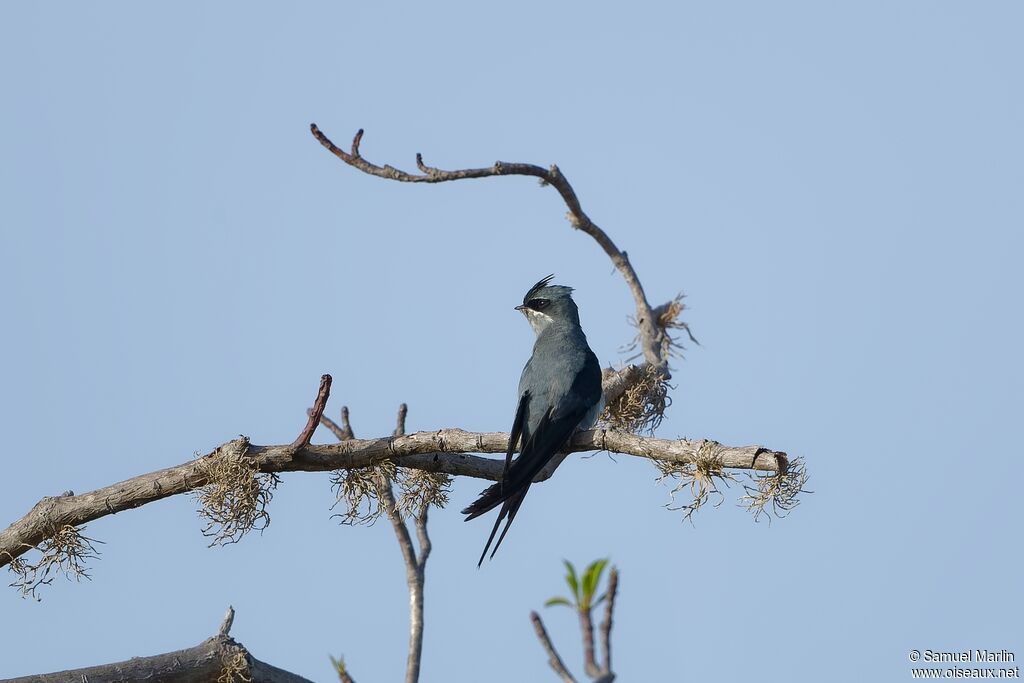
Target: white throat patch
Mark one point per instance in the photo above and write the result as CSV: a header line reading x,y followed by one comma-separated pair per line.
x,y
538,320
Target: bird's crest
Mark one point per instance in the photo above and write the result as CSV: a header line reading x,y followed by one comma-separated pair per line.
x,y
545,283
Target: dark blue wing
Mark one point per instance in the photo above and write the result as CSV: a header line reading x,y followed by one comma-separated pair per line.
x,y
543,442
492,497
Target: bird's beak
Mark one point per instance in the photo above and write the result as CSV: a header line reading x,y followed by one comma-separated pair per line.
x,y
520,308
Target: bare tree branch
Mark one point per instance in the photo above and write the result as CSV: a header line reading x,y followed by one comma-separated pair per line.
x,y
446,450
219,658
553,659
412,579
424,541
652,336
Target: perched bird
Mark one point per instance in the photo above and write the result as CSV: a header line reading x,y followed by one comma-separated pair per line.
x,y
559,393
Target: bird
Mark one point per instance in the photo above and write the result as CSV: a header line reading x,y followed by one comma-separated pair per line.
x,y
559,394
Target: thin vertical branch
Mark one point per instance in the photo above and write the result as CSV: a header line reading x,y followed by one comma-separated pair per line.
x,y
606,625
424,541
415,568
413,578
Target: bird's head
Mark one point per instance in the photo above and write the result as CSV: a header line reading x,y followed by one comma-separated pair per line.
x,y
546,303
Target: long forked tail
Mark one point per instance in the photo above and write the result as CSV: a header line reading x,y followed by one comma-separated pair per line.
x,y
508,509
538,450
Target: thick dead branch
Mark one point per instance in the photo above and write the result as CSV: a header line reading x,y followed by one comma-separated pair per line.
x,y
652,340
446,451
218,659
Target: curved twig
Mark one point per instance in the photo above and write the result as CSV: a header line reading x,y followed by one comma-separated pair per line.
x,y
651,334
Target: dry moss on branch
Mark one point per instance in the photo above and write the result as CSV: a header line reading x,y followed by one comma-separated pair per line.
x,y
234,666
642,405
774,493
359,491
668,318
699,477
66,551
420,490
778,490
235,497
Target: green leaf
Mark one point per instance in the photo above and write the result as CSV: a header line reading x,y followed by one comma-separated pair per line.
x,y
591,577
570,578
600,599
558,601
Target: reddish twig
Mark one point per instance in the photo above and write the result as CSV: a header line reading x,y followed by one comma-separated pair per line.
x,y
302,440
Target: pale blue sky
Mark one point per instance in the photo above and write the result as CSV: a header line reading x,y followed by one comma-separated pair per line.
x,y
836,187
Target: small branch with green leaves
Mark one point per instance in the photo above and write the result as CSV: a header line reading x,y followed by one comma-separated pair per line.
x,y
339,668
584,591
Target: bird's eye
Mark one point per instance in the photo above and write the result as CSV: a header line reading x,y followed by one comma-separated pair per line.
x,y
538,304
